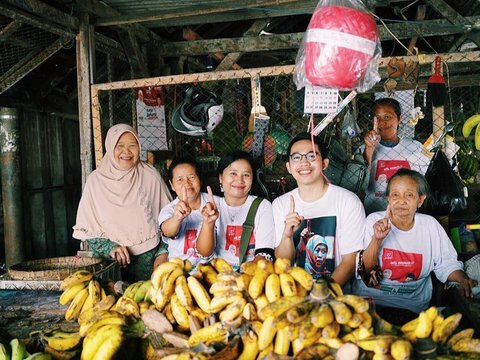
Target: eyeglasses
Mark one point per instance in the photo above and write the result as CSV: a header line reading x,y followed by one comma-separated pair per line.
x,y
310,156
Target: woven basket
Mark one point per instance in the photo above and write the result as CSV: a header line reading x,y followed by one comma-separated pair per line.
x,y
54,268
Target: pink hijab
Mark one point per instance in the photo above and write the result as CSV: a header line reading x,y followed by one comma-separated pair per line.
x,y
122,205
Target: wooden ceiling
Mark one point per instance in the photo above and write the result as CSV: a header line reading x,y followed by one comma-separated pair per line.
x,y
217,34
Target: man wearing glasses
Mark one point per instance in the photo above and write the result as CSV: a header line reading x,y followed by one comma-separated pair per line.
x,y
317,215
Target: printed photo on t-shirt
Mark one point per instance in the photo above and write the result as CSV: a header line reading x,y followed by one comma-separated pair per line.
x,y
232,240
189,243
401,266
387,168
315,246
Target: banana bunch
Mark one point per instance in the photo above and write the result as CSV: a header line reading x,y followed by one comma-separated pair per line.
x,y
468,165
16,350
430,331
82,291
468,126
103,342
139,291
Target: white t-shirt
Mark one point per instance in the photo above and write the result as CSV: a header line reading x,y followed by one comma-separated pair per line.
x,y
333,226
229,229
183,245
386,161
407,258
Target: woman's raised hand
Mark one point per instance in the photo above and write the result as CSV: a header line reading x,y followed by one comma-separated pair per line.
x,y
182,209
210,211
382,227
121,255
292,220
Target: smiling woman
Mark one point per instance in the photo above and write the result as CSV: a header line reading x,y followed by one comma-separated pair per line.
x,y
118,212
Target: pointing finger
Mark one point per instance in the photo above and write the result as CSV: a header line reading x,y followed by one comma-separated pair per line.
x,y
210,195
292,204
375,124
388,212
184,194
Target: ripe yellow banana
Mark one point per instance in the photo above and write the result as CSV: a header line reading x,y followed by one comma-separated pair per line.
x,y
108,318
261,302
76,305
300,344
63,341
367,320
331,331
103,305
272,287
127,307
94,340
187,265
281,265
282,342
410,326
278,307
249,268
233,310
180,313
463,334
221,265
228,276
218,303
287,284
183,294
160,272
401,350
355,321
358,303
178,261
299,312
76,278
267,333
243,281
199,293
249,312
316,351
379,344
198,313
335,288
110,346
70,292
307,329
322,316
443,331
256,286
208,273
467,345
424,327
224,286
265,265
342,312
302,277
94,291
469,124
88,304
211,333
250,346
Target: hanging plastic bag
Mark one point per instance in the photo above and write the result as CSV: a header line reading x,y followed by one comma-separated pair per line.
x,y
349,126
340,49
447,194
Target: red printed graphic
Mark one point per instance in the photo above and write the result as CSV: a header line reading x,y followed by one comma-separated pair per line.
x,y
189,243
233,237
401,266
386,168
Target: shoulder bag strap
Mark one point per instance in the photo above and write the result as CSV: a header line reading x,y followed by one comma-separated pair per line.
x,y
247,228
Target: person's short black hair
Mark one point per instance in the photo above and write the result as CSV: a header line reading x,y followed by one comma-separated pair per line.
x,y
397,108
307,136
232,156
184,160
422,184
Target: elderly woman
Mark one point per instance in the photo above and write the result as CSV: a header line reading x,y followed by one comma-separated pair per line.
x,y
181,220
118,212
385,152
223,217
402,249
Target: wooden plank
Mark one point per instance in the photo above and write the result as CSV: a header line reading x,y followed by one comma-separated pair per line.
x,y
267,71
84,105
227,6
428,28
448,12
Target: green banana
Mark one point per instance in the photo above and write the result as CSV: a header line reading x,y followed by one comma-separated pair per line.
x,y
477,137
19,351
142,291
469,124
4,355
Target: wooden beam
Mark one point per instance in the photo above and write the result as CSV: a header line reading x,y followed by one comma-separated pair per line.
x,y
227,6
27,65
448,12
428,28
6,35
230,59
138,62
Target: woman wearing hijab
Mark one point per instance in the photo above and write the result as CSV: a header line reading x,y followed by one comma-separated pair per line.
x,y
118,212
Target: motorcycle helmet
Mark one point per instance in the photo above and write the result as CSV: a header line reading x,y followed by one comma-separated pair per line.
x,y
199,113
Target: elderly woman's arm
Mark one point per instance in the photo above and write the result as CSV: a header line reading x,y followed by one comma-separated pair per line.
x,y
466,284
